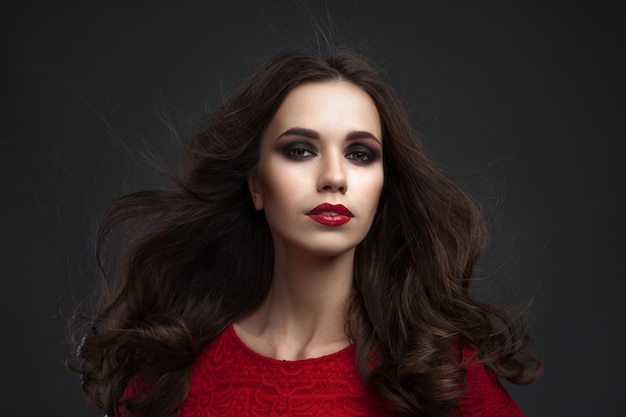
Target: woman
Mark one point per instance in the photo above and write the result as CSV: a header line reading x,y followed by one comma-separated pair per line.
x,y
309,261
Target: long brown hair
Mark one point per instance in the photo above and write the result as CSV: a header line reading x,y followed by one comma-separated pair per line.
x,y
199,256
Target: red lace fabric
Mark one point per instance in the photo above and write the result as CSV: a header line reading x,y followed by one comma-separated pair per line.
x,y
229,379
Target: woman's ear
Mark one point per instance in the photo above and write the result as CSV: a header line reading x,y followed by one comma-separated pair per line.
x,y
255,192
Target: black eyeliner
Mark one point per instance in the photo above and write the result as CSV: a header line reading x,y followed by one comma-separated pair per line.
x,y
290,147
370,153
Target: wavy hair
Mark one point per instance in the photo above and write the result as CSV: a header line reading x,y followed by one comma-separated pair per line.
x,y
198,255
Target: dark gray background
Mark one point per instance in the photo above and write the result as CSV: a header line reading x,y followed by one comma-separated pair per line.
x,y
526,99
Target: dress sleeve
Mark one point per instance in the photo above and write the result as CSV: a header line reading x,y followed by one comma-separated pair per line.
x,y
484,395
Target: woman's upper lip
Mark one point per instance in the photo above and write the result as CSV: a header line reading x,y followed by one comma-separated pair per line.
x,y
331,210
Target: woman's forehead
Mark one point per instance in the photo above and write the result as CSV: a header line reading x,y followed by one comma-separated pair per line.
x,y
329,107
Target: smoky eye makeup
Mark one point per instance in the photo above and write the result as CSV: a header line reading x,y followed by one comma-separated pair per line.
x,y
297,150
361,153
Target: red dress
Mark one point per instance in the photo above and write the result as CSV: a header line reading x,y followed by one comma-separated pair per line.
x,y
229,379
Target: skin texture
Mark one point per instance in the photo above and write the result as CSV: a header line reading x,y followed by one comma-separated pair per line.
x,y
324,145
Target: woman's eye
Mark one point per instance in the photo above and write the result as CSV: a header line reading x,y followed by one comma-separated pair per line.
x,y
298,151
358,156
361,154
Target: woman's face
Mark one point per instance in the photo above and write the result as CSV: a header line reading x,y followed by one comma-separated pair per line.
x,y
320,171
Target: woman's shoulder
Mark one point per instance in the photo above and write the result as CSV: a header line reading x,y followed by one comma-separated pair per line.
x,y
484,394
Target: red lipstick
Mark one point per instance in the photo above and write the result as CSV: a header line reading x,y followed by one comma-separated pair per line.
x,y
331,214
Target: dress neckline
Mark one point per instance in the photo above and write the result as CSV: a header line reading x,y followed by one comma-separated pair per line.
x,y
347,351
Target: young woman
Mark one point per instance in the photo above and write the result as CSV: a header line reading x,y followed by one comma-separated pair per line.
x,y
309,260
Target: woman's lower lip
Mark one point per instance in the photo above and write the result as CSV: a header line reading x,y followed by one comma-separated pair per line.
x,y
327,220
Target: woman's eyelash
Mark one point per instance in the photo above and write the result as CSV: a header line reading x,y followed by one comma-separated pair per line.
x,y
298,150
361,154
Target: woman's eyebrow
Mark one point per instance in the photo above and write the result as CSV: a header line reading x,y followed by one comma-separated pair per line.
x,y
300,131
312,134
361,134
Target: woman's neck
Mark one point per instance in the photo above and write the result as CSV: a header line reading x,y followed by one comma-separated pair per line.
x,y
303,315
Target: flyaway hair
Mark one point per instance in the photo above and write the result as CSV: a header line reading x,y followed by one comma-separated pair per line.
x,y
197,255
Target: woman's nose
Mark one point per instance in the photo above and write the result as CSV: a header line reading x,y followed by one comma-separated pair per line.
x,y
332,176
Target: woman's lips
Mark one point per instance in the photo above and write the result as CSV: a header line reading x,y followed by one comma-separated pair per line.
x,y
331,214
